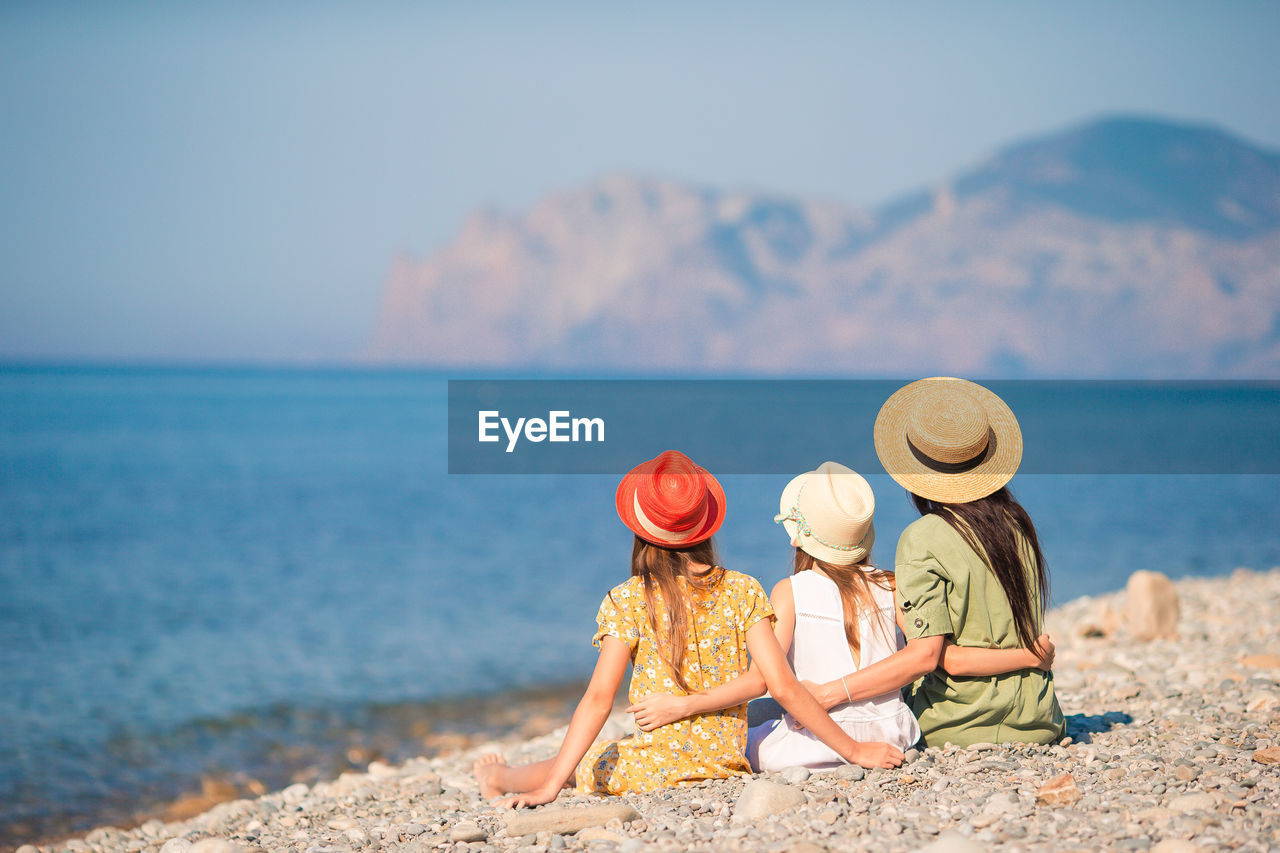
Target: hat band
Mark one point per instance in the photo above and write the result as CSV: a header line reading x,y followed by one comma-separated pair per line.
x,y
672,536
803,528
955,467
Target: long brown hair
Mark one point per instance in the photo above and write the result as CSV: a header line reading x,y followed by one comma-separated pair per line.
x,y
854,583
992,527
661,567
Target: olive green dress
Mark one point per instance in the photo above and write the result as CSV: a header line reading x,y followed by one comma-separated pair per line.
x,y
944,587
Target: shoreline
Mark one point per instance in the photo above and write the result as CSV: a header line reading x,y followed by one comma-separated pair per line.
x,y
1162,745
333,741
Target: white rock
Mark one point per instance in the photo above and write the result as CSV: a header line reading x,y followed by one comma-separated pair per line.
x,y
294,793
795,775
1175,845
216,845
176,845
1152,606
953,842
761,798
1193,803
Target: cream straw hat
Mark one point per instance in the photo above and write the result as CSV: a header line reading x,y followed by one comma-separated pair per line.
x,y
948,440
828,513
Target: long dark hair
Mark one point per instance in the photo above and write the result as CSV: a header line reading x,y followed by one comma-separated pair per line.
x,y
854,583
662,567
992,526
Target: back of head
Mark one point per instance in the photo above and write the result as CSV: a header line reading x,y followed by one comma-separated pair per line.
x,y
1000,532
667,570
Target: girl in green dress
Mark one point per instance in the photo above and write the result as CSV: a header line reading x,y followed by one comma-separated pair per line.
x,y
970,574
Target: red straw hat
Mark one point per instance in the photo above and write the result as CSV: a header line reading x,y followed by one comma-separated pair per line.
x,y
670,501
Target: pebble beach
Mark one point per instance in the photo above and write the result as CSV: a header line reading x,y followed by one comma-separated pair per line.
x,y
1173,744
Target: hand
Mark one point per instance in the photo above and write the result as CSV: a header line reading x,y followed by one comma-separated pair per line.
x,y
658,709
818,691
876,754
536,797
1044,650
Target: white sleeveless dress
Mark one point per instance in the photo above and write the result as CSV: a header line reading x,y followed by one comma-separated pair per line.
x,y
820,652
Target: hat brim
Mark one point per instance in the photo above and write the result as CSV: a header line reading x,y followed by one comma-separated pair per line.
x,y
900,460
625,501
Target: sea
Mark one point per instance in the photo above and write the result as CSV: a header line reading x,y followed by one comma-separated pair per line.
x,y
266,575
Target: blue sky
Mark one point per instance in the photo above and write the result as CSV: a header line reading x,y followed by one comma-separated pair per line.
x,y
231,181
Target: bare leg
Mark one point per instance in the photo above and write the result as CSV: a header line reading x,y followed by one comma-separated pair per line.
x,y
496,777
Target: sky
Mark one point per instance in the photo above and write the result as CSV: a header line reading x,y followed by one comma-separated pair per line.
x,y
232,181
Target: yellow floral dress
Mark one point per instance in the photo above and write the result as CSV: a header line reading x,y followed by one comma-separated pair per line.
x,y
704,746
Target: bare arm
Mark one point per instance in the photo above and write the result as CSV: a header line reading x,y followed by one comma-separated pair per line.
x,y
921,656
782,683
968,660
587,721
658,709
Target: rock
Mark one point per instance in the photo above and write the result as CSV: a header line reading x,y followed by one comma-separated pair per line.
x,y
952,841
568,820
795,775
467,831
851,772
804,847
1270,755
216,845
294,793
1001,804
174,845
762,798
1058,791
1193,803
1262,702
595,833
1102,621
26,848
1262,661
1152,608
1175,845
1185,772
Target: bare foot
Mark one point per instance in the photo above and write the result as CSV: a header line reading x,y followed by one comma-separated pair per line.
x,y
486,770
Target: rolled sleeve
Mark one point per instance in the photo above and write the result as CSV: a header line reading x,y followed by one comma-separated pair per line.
x,y
922,595
754,605
617,617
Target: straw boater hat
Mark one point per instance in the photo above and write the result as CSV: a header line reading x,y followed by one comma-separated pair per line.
x,y
828,513
948,440
671,502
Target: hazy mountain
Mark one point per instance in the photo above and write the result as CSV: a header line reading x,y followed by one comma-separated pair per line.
x,y
1126,247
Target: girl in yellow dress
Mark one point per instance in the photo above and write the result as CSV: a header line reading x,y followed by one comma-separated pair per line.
x,y
687,625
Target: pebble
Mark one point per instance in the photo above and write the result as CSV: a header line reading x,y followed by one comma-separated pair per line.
x,y
1172,746
762,798
1193,803
795,775
1059,791
850,772
568,820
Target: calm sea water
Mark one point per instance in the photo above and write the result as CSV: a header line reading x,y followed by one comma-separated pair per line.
x,y
200,566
